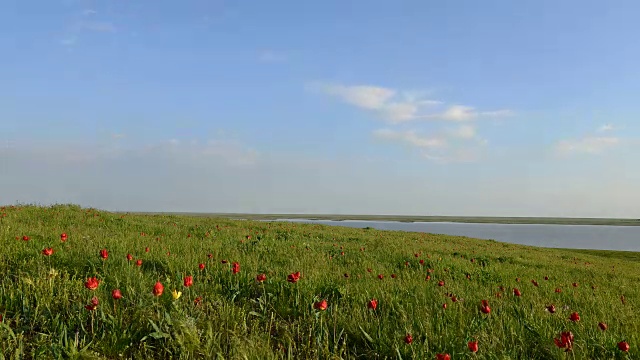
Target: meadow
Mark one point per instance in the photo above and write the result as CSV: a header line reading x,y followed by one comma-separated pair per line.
x,y
81,283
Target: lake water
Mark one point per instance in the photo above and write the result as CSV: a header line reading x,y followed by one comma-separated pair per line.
x,y
595,237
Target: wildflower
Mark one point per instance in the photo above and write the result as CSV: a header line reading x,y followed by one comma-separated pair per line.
x,y
92,283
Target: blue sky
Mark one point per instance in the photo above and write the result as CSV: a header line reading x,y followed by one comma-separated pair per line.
x,y
505,108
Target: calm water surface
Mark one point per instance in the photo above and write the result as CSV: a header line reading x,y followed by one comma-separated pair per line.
x,y
595,237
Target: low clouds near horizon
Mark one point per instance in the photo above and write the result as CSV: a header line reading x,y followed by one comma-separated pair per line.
x,y
227,176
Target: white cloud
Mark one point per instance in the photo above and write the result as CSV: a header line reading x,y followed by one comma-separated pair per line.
x,y
464,132
587,145
440,148
497,113
402,106
459,113
184,179
461,155
410,137
88,12
467,113
606,127
390,104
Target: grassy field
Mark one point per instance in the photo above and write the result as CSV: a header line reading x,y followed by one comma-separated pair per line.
x,y
459,219
51,308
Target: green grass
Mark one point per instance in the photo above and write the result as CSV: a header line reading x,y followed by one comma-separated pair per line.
x,y
43,298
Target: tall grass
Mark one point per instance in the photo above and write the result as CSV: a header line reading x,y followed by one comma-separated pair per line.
x,y
43,298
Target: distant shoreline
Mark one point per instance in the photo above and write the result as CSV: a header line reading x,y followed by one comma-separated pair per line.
x,y
412,219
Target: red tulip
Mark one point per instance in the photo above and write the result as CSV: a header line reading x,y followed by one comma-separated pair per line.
x,y
565,341
139,262
473,346
443,357
516,292
380,276
408,339
373,304
421,261
201,266
188,281
104,253
574,317
546,278
575,284
416,255
428,278
320,305
63,237
116,294
602,326
235,268
294,277
393,276
25,238
93,305
47,251
92,283
146,249
440,283
444,306
558,290
261,277
158,289
485,307
551,308
623,346
210,256
224,261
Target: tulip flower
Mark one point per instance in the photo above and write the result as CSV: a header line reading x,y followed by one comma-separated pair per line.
x,y
320,305
623,346
565,341
294,277
158,289
473,346
92,283
574,317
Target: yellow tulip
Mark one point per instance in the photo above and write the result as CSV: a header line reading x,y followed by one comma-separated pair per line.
x,y
176,294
